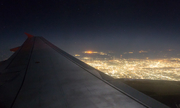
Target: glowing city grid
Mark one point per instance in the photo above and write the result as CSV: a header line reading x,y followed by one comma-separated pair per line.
x,y
153,69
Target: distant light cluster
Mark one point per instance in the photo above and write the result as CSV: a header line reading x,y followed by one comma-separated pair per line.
x,y
94,52
153,69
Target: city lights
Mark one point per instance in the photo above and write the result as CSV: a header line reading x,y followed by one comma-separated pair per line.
x,y
153,69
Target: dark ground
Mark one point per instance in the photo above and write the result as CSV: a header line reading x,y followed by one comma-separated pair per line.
x,y
167,92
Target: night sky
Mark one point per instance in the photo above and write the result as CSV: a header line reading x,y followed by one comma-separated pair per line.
x,y
101,25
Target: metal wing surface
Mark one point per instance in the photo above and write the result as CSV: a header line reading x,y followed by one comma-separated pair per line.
x,y
40,75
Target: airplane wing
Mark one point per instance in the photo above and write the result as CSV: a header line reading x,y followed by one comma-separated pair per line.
x,y
40,75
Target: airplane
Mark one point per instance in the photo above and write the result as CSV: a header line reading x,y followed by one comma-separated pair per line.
x,y
41,75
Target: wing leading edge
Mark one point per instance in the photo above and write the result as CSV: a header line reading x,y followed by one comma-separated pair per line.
x,y
40,74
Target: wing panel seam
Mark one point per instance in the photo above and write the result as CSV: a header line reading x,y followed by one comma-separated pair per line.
x,y
24,74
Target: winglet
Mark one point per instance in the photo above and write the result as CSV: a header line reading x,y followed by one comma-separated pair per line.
x,y
14,49
29,35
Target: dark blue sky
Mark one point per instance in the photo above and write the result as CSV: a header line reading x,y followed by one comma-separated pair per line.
x,y
105,25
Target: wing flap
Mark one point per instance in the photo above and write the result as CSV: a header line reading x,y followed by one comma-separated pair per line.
x,y
12,73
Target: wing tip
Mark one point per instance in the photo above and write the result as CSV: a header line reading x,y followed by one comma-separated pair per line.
x,y
28,35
